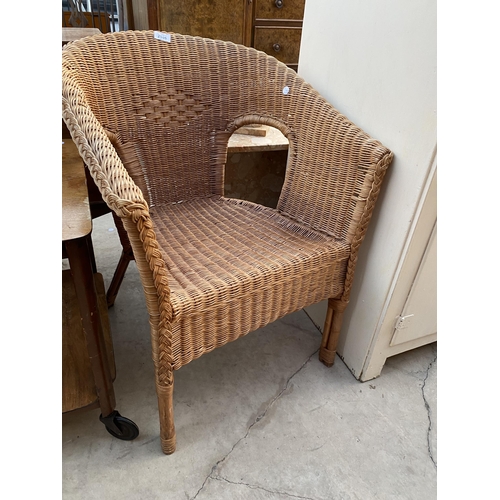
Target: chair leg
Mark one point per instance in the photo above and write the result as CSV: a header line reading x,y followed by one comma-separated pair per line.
x,y
116,282
126,256
331,331
166,410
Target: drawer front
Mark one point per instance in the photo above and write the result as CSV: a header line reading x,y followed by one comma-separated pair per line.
x,y
282,43
279,9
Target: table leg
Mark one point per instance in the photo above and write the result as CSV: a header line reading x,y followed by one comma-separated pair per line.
x,y
80,261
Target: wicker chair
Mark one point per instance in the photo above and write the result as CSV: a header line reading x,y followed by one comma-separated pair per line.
x,y
151,119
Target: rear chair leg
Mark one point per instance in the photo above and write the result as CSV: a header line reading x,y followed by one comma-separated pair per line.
x,y
331,331
116,282
126,256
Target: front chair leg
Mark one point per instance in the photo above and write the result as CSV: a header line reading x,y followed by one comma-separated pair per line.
x,y
331,331
166,410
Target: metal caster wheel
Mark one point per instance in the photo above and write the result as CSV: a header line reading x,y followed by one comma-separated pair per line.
x,y
120,427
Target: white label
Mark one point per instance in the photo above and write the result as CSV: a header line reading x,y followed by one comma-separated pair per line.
x,y
164,37
286,90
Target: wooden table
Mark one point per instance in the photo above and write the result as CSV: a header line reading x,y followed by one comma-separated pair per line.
x,y
72,34
88,362
273,140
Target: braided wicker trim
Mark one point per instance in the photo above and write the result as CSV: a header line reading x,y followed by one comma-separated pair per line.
x,y
124,197
140,216
363,223
86,131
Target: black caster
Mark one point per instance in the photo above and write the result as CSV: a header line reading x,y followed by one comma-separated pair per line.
x,y
120,427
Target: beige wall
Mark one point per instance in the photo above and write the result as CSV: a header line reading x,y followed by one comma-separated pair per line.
x,y
375,61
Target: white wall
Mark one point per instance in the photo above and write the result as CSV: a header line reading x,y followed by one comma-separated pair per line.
x,y
375,61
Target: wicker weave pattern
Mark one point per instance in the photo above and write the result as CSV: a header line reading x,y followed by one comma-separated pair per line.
x,y
151,120
227,256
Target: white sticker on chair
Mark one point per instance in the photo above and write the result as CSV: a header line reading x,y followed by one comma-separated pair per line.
x,y
286,90
164,37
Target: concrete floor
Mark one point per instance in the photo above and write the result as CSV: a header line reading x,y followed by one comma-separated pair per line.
x,y
260,418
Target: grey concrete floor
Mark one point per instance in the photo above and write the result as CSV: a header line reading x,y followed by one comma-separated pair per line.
x,y
260,418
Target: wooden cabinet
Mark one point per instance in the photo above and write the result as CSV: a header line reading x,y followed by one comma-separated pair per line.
x,y
273,26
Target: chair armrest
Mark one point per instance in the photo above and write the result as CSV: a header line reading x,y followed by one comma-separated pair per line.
x,y
333,169
125,198
105,166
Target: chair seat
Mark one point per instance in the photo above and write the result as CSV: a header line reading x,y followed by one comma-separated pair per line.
x,y
235,266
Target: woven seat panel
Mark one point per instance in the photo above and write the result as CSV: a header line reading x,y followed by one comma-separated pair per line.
x,y
236,266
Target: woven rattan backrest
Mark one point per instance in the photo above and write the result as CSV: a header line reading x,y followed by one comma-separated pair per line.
x,y
176,103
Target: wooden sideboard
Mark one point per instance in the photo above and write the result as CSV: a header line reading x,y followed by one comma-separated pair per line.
x,y
273,26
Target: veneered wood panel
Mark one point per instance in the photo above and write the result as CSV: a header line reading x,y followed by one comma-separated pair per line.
x,y
218,19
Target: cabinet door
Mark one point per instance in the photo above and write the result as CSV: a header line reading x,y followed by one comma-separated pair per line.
x,y
419,315
218,19
279,9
